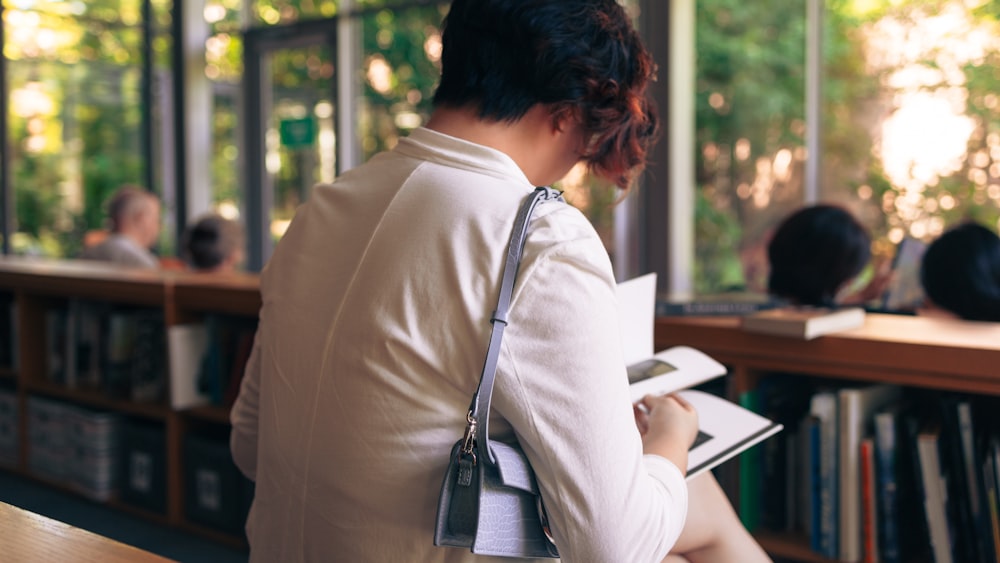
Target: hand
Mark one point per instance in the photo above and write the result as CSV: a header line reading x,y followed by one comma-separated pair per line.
x,y
668,425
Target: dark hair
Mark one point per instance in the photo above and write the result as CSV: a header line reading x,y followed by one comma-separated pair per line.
x,y
506,56
814,252
960,272
210,241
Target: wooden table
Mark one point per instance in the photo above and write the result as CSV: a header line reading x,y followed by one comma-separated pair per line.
x,y
27,537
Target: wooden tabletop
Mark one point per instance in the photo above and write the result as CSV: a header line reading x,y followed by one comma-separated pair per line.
x,y
27,537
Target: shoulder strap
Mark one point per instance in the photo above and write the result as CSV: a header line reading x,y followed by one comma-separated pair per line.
x,y
477,433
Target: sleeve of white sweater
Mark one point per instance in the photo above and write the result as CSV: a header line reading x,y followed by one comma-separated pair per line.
x,y
563,389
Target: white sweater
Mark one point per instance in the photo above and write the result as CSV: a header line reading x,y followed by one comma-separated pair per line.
x,y
373,331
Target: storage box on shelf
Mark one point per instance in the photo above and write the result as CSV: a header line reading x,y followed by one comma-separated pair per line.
x,y
922,356
91,355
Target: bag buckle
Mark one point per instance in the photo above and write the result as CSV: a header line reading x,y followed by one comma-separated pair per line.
x,y
469,441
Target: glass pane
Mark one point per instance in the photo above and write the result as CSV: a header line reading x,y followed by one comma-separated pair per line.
x,y
75,121
401,58
912,113
224,68
750,128
276,12
299,138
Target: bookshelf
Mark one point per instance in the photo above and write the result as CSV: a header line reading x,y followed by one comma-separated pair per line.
x,y
38,287
915,352
926,353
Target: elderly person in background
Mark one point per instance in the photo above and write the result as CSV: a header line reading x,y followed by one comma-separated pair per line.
x,y
134,214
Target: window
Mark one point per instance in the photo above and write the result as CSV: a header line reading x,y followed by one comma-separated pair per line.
x,y
77,119
906,135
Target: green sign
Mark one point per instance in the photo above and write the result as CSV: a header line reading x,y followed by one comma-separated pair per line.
x,y
297,133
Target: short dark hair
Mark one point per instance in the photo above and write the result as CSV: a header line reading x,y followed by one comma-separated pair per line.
x,y
960,272
210,241
505,56
814,252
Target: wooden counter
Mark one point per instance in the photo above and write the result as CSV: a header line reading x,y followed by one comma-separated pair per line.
x,y
27,537
927,352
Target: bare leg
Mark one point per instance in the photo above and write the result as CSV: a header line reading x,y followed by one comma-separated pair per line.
x,y
713,532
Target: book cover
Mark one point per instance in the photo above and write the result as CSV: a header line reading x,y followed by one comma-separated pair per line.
x,y
905,292
803,322
725,428
857,406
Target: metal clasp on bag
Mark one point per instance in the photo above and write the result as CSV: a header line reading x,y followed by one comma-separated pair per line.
x,y
469,441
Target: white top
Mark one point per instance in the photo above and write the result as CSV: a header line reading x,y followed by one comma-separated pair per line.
x,y
120,249
374,328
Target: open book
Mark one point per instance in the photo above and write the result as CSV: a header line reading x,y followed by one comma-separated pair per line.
x,y
724,428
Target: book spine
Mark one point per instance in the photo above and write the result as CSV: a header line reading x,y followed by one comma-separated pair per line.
x,y
885,449
934,496
870,544
990,478
750,474
814,478
960,500
825,407
709,308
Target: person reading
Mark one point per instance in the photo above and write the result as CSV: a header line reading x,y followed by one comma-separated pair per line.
x,y
814,255
377,304
960,274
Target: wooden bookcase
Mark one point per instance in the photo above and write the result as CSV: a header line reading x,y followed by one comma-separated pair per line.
x,y
179,297
918,352
908,351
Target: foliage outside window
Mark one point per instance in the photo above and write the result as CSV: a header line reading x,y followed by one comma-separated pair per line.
x,y
910,138
75,111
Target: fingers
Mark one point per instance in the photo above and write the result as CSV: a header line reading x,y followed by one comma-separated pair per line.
x,y
648,402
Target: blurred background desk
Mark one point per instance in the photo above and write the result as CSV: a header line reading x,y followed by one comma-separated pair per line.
x,y
28,537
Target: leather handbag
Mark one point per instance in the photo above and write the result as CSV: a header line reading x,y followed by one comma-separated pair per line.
x,y
489,499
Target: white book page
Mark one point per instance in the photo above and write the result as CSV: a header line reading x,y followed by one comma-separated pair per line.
x,y
664,372
636,311
671,370
724,430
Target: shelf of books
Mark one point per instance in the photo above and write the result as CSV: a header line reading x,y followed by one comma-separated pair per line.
x,y
116,384
891,442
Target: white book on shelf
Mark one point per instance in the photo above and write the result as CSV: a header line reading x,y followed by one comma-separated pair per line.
x,y
803,322
725,428
857,408
935,495
186,345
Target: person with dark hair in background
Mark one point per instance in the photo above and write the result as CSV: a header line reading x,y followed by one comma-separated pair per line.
x,y
134,217
960,273
213,243
377,304
815,252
